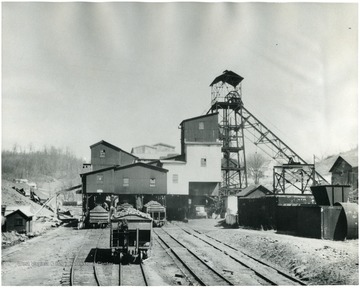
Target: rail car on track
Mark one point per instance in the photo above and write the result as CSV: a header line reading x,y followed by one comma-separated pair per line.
x,y
157,212
130,233
99,217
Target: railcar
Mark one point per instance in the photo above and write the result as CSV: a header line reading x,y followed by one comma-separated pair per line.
x,y
130,233
157,213
99,217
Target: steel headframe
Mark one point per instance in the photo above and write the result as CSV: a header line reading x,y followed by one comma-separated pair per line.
x,y
234,119
226,100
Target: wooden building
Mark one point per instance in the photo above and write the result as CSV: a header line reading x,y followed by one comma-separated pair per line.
x,y
18,220
186,180
104,154
345,171
127,183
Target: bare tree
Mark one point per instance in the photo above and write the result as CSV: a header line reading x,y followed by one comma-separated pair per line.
x,y
254,164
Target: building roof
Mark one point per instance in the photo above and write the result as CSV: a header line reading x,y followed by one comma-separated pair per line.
x,y
142,165
118,167
251,189
351,160
22,212
141,146
112,147
229,77
199,117
165,145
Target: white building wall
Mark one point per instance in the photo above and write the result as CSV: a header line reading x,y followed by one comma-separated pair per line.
x,y
191,170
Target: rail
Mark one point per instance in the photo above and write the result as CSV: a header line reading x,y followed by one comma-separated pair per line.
x,y
203,280
260,274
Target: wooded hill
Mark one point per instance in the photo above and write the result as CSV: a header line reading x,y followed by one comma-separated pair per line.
x,y
50,162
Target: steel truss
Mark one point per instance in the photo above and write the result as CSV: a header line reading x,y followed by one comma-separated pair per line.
x,y
279,151
293,178
226,100
234,119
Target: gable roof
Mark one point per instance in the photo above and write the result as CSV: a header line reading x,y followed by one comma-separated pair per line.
x,y
352,161
23,213
112,147
163,144
142,165
118,167
199,117
100,170
251,189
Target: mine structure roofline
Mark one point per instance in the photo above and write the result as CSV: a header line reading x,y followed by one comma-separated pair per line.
x,y
198,117
112,147
118,167
142,165
99,170
163,144
228,77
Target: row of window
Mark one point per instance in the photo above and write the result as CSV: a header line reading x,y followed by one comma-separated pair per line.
x,y
126,181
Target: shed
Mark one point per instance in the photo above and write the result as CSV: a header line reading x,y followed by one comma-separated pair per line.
x,y
345,171
19,220
254,191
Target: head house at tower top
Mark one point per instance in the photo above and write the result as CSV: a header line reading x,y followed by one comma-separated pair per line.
x,y
229,77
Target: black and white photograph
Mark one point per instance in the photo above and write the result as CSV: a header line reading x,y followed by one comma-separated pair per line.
x,y
179,143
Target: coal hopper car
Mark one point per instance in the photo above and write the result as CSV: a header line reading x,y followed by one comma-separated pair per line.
x,y
157,212
130,233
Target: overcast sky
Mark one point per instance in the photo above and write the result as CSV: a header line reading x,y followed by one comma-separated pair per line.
x,y
128,73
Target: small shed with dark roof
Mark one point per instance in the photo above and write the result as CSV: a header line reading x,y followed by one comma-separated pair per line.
x,y
18,220
254,191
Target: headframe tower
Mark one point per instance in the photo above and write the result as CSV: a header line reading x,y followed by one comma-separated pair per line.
x,y
226,100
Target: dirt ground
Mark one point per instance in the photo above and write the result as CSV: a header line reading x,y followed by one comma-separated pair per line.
x,y
40,261
315,261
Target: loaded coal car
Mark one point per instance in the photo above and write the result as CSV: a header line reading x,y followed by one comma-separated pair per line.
x,y
157,213
130,234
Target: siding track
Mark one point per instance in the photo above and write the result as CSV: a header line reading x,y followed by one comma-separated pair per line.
x,y
84,268
266,271
204,274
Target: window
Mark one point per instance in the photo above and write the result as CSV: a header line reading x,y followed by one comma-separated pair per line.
x,y
126,182
152,182
100,178
203,162
18,222
201,125
102,153
175,178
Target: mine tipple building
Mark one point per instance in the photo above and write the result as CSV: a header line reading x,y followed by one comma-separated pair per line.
x,y
179,182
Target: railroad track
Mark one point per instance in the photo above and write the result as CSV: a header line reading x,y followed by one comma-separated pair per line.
x,y
266,271
85,269
202,272
129,275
